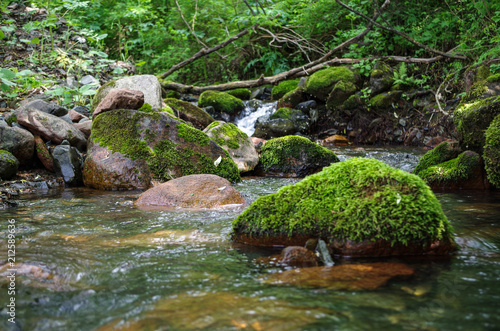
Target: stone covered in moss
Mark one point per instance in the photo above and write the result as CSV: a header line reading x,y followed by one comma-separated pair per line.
x,y
493,78
321,83
472,119
8,165
466,171
160,147
340,93
385,101
492,152
221,101
190,113
381,78
443,152
283,88
292,98
236,142
241,93
348,203
171,94
293,156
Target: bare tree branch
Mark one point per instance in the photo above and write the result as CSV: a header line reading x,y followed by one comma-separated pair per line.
x,y
402,34
204,52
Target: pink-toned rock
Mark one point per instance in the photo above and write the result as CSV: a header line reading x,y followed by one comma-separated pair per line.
x,y
75,116
43,154
433,142
120,99
193,192
84,127
258,143
336,140
50,127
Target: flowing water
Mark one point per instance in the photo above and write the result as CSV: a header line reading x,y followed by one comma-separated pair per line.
x,y
248,117
89,260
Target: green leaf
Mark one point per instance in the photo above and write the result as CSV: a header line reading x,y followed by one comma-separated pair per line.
x,y
2,35
7,73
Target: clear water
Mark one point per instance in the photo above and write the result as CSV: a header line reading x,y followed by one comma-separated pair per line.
x,y
89,260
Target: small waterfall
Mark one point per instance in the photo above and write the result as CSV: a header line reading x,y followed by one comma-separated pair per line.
x,y
324,253
253,110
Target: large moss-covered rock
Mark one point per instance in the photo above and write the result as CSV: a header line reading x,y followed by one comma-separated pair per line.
x,y
300,121
381,78
240,93
139,146
236,142
492,152
293,156
292,98
472,118
360,207
340,93
385,101
466,171
221,101
443,152
322,82
190,113
283,88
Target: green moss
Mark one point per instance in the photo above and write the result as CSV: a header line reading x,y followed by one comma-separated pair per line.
x,y
221,101
441,153
146,108
283,88
226,134
493,78
12,119
172,94
459,168
168,109
281,152
385,100
340,93
492,152
482,73
472,119
285,113
241,93
292,98
358,199
322,82
193,135
190,111
353,102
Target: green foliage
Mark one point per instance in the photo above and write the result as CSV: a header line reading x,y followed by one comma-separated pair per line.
x,y
357,199
72,96
401,77
492,152
13,82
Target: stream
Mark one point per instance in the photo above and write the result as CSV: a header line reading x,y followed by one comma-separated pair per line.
x,y
89,260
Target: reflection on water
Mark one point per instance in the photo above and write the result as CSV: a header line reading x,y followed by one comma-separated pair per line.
x,y
89,260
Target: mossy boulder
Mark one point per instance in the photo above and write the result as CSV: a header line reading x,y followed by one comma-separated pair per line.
x,y
472,119
385,101
299,120
221,101
360,207
466,171
322,82
293,156
8,165
381,78
266,128
129,148
492,152
443,152
283,88
292,98
189,113
236,142
339,94
241,93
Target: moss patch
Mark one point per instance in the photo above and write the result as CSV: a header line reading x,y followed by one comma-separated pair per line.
x,y
459,168
241,93
221,101
286,113
358,199
282,154
226,134
322,82
441,153
292,98
492,152
283,88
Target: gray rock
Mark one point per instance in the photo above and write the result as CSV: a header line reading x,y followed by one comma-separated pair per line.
x,y
82,110
49,108
85,80
306,106
68,163
17,141
8,165
273,128
147,84
66,118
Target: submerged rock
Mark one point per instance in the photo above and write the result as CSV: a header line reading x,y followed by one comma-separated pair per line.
x,y
360,207
129,148
349,277
293,156
236,142
193,192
